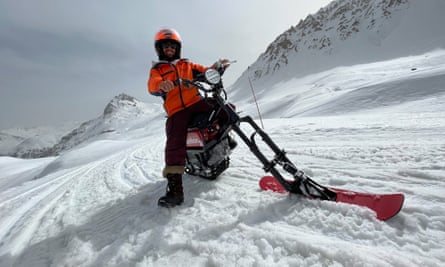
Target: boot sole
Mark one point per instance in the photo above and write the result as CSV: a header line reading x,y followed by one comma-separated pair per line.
x,y
165,204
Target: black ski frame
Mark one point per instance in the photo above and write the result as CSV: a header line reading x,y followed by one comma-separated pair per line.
x,y
301,180
301,183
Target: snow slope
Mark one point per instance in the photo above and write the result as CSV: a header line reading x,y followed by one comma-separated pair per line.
x,y
345,33
18,140
350,89
95,205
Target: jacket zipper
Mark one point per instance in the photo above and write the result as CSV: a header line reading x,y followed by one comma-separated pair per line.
x,y
179,84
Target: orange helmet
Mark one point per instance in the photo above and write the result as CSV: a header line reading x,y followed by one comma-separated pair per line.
x,y
167,35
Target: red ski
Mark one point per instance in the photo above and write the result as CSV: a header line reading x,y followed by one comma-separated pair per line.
x,y
385,206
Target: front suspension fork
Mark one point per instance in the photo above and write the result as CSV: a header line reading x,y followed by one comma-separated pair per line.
x,y
302,184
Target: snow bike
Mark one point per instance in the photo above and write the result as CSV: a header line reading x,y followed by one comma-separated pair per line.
x,y
208,149
209,142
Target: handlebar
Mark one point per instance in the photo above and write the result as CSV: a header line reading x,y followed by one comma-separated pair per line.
x,y
211,77
196,82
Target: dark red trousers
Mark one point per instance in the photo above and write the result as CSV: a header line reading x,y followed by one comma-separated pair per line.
x,y
176,131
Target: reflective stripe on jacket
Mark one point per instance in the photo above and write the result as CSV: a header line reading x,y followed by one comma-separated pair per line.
x,y
181,96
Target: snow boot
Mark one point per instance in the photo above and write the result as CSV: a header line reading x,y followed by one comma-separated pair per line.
x,y
174,195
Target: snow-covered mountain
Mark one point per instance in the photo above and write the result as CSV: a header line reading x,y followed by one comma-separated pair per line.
x,y
344,33
369,86
120,115
17,141
8,142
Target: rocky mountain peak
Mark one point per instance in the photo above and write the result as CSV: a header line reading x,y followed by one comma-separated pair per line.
x,y
321,32
118,102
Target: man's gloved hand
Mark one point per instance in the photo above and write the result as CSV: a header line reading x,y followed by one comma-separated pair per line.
x,y
166,86
221,64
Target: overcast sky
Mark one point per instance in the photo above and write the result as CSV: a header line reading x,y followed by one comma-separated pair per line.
x,y
64,60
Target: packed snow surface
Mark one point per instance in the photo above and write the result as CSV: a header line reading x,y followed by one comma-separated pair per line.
x,y
382,132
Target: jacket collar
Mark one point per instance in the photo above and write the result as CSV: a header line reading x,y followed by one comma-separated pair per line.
x,y
174,62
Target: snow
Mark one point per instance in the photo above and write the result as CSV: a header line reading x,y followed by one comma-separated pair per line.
x,y
95,204
346,89
17,140
345,33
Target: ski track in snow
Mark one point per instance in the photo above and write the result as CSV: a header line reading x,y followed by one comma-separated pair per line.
x,y
105,212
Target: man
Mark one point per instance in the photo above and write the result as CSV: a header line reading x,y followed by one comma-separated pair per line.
x,y
180,103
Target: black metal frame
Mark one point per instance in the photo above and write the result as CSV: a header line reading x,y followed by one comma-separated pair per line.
x,y
301,183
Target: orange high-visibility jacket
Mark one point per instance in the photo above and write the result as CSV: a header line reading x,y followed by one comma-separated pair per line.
x,y
181,96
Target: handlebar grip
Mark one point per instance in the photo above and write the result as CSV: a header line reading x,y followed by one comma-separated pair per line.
x,y
187,83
